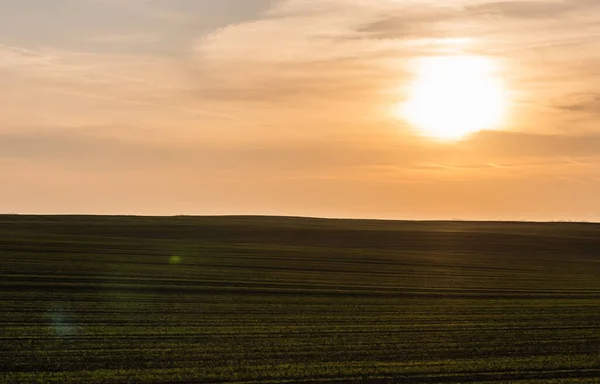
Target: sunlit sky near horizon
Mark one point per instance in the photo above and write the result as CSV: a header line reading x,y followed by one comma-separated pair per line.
x,y
405,109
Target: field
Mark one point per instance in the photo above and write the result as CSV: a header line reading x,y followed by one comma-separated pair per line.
x,y
259,299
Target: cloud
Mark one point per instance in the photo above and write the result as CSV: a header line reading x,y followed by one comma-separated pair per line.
x,y
300,52
580,102
18,58
334,157
152,9
332,55
523,9
126,39
84,147
73,149
112,82
519,144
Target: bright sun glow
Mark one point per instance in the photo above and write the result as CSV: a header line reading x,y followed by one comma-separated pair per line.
x,y
454,96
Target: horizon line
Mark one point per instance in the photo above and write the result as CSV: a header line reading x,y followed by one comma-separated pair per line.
x,y
456,220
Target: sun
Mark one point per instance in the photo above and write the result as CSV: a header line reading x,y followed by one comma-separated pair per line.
x,y
454,96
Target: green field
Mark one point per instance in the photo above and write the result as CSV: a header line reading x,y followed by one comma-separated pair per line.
x,y
257,299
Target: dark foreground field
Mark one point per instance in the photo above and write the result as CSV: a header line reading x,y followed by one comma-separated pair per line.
x,y
242,299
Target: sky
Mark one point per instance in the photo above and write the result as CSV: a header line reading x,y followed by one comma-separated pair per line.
x,y
203,107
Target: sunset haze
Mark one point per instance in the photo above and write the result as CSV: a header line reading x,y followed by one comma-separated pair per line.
x,y
395,109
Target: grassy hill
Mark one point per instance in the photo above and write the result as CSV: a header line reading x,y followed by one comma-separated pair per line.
x,y
275,299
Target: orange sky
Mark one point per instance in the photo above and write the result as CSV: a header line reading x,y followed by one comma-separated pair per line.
x,y
284,107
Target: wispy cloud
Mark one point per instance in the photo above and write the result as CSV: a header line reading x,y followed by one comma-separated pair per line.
x,y
140,82
126,39
309,50
155,9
